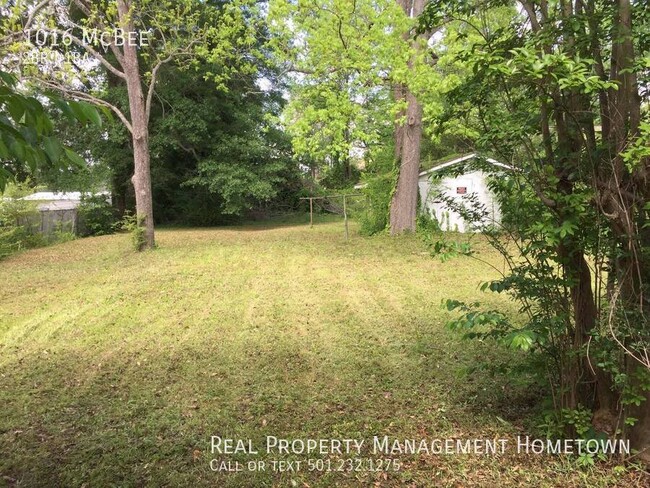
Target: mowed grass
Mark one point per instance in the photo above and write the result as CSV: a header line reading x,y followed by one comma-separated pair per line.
x,y
117,367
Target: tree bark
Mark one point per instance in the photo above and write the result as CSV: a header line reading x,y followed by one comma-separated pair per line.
x,y
403,209
140,130
403,206
622,123
620,195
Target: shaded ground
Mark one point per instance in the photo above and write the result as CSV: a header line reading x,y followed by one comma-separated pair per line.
x,y
116,368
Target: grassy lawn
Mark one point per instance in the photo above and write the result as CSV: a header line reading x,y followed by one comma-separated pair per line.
x,y
116,367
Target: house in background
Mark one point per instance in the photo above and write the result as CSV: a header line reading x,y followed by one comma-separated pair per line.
x,y
458,179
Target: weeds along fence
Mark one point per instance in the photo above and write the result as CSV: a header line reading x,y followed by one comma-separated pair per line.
x,y
23,225
56,220
49,219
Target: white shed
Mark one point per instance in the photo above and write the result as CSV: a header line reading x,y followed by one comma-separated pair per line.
x,y
436,185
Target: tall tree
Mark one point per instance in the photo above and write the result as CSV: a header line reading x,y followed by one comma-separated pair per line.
x,y
348,57
560,94
131,40
408,134
219,154
340,55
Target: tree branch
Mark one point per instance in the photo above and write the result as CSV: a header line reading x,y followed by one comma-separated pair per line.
x,y
154,72
8,38
152,83
87,12
33,13
92,51
532,15
86,97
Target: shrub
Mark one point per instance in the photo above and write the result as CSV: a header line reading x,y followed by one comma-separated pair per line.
x,y
334,177
62,233
379,180
427,225
135,226
18,228
97,217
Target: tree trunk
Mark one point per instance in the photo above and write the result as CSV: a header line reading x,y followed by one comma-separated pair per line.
x,y
403,206
624,114
140,131
620,197
639,433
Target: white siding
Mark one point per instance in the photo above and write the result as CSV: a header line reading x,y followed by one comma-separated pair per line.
x,y
474,182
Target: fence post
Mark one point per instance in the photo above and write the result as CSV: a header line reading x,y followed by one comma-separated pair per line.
x,y
311,212
345,217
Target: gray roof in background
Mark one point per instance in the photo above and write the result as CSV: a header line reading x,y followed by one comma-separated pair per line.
x,y
51,196
58,205
52,200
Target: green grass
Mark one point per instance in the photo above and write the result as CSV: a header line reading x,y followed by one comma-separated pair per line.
x,y
117,367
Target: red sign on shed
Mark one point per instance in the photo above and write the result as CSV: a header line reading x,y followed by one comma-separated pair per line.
x,y
461,190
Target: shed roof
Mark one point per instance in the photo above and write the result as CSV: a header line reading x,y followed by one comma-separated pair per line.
x,y
460,159
58,205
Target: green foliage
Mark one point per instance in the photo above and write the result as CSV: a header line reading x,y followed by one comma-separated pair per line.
x,y
379,181
345,59
340,175
94,175
427,226
342,54
482,324
26,132
20,223
62,233
639,150
96,215
533,94
184,32
556,423
633,383
18,226
211,44
217,155
445,248
537,278
134,225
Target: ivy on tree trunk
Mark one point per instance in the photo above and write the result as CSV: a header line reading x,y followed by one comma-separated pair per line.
x,y
408,134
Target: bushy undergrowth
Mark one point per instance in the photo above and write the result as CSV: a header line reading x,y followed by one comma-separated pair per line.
x,y
379,180
18,225
97,217
134,225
